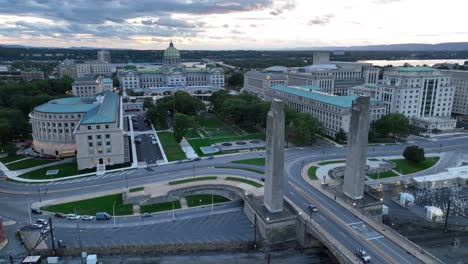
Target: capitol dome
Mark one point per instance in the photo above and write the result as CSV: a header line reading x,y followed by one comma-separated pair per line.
x,y
171,55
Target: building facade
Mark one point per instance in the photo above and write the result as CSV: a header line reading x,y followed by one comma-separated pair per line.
x,y
93,67
257,82
32,74
417,92
459,79
333,111
60,128
104,56
90,85
67,68
172,73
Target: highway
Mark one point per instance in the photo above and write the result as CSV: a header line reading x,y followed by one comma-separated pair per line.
x,y
14,197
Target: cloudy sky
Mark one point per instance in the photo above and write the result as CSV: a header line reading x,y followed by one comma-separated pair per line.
x,y
230,24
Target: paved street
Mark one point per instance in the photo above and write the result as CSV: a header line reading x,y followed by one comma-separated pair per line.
x,y
14,198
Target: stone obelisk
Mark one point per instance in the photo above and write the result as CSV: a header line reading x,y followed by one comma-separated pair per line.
x,y
355,168
274,168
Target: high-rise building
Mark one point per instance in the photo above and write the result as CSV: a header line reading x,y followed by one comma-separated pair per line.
x,y
91,84
257,82
104,56
95,67
67,68
459,79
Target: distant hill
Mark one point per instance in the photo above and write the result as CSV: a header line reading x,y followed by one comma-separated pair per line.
x,y
454,46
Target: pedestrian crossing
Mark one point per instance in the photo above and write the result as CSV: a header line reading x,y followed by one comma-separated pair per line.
x,y
87,178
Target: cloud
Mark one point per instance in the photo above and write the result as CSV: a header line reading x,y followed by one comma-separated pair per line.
x,y
383,2
235,31
323,20
225,26
282,6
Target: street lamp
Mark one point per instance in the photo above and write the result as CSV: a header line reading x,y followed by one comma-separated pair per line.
x,y
212,203
29,211
113,212
173,208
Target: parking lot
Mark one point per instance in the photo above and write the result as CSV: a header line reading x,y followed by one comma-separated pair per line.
x,y
146,144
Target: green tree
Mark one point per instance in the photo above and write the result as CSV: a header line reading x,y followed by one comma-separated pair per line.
x,y
182,123
341,136
148,102
306,128
236,80
414,154
187,104
395,125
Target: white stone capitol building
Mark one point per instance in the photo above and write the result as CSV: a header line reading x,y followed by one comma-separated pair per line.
x,y
171,75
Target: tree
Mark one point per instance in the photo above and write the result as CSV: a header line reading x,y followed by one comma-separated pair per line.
x,y
414,154
181,125
148,102
236,80
395,125
341,136
306,128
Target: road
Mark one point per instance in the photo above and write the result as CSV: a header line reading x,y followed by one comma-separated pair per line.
x,y
14,198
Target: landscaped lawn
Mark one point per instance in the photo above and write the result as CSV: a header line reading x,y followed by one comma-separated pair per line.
x,y
246,169
160,207
331,162
382,175
66,169
202,142
171,148
210,121
255,161
207,178
255,184
93,206
137,189
404,166
311,172
192,133
28,163
204,199
11,158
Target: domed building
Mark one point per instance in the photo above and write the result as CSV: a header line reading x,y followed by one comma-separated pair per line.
x,y
171,75
171,55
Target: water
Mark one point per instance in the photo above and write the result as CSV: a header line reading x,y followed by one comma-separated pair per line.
x,y
413,62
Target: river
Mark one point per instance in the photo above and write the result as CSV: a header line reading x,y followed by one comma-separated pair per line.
x,y
413,62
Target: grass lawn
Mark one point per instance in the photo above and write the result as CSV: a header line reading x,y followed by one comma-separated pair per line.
x,y
202,142
29,163
246,169
204,199
66,169
171,147
311,172
255,184
11,158
160,207
382,175
256,161
407,167
192,133
207,178
92,206
331,162
210,121
137,189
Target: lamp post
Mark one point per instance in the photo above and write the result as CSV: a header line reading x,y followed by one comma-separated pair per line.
x,y
29,211
126,181
113,212
212,203
78,228
173,207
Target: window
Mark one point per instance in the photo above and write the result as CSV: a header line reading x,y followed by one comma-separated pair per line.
x,y
90,144
107,126
89,127
98,127
107,135
98,136
90,137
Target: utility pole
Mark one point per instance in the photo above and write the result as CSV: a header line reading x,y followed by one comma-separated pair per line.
x,y
52,237
447,215
255,232
39,192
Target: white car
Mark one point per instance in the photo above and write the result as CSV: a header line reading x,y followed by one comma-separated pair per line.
x,y
154,142
37,226
41,221
73,216
46,230
87,217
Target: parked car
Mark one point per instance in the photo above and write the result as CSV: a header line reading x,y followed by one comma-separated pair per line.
x,y
146,215
362,254
36,211
61,244
60,215
46,230
41,221
37,226
103,216
313,208
211,157
154,142
73,216
137,140
87,217
196,159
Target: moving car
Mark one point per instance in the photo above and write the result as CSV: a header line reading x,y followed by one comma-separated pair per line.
x,y
146,215
60,215
41,221
46,230
37,226
362,254
36,211
211,157
313,208
103,216
73,216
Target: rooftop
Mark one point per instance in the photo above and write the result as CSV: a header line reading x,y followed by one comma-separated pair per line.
x,y
413,69
91,77
316,95
107,111
67,105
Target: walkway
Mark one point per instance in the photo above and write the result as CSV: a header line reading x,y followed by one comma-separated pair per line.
x,y
187,148
13,174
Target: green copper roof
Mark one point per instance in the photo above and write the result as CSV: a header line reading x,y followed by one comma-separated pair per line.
x,y
370,85
414,69
171,51
67,105
341,101
107,111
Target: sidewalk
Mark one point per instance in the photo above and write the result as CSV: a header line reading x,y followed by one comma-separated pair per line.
x,y
398,239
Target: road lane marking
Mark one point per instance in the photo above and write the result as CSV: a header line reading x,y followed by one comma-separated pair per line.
x,y
376,237
355,223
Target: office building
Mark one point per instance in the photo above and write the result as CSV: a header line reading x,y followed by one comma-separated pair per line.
x,y
459,79
333,111
104,56
91,84
257,82
93,67
89,128
67,68
32,74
